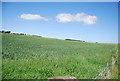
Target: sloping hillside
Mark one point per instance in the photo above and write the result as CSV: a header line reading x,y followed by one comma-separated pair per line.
x,y
31,57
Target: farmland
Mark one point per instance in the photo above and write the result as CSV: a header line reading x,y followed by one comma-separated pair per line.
x,y
30,57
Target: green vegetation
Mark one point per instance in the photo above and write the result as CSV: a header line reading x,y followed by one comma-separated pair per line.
x,y
31,57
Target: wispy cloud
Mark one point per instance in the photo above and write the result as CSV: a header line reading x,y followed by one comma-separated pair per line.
x,y
32,17
79,17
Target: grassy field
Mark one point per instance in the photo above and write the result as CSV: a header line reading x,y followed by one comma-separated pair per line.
x,y
30,57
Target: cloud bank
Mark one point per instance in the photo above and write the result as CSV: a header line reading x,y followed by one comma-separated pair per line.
x,y
32,17
79,17
64,18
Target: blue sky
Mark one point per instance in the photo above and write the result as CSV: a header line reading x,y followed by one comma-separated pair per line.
x,y
89,21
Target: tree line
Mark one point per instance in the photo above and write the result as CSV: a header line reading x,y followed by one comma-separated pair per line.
x,y
9,32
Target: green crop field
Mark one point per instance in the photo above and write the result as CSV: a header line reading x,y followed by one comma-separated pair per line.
x,y
31,57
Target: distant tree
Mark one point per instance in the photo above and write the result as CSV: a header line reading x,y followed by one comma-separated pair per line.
x,y
2,31
7,31
21,33
73,40
96,42
17,33
13,33
68,39
39,36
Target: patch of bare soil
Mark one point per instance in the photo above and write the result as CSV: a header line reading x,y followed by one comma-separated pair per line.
x,y
63,78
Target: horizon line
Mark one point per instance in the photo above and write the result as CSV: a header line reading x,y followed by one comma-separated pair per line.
x,y
11,32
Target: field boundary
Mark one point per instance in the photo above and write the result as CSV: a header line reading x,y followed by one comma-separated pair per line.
x,y
106,72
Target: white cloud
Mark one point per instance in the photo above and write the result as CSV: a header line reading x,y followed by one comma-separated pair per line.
x,y
32,17
79,17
